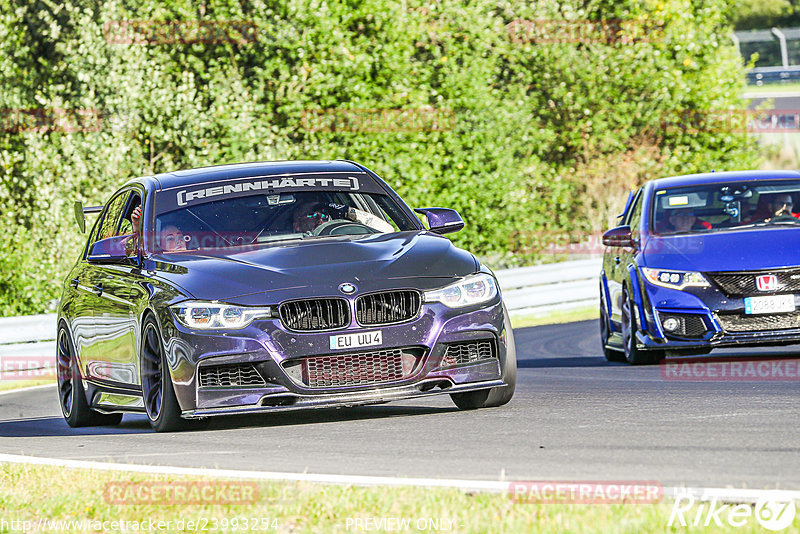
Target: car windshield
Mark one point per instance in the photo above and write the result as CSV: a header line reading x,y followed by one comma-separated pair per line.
x,y
726,206
262,219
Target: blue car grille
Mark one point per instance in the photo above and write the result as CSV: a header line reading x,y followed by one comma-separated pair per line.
x,y
759,323
744,283
315,314
387,307
468,352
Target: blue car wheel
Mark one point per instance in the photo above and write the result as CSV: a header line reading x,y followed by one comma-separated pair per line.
x,y
633,354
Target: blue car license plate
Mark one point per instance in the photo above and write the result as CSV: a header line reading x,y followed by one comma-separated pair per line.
x,y
771,304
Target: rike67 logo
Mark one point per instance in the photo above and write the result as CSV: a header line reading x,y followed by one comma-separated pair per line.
x,y
772,514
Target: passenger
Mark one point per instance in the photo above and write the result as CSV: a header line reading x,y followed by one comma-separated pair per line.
x,y
172,239
683,220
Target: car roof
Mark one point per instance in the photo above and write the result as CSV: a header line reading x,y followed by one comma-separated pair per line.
x,y
722,177
200,175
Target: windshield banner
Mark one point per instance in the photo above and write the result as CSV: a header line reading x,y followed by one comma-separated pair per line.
x,y
190,195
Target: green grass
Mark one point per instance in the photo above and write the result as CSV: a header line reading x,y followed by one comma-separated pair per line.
x,y
558,317
30,492
773,88
6,385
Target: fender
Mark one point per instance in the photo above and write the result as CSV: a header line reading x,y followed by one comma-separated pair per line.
x,y
637,296
606,298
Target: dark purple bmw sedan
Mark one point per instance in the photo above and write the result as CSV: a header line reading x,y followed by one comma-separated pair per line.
x,y
274,286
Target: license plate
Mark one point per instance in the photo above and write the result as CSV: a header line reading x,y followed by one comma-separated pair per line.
x,y
351,341
774,304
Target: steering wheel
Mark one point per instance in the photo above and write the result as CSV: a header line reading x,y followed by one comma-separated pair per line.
x,y
343,227
784,217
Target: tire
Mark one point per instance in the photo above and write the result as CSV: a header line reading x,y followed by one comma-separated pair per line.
x,y
605,331
158,393
633,354
490,398
71,395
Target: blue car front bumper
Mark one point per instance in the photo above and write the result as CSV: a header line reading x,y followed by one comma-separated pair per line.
x,y
709,319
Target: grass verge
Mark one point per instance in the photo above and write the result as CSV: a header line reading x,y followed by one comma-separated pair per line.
x,y
9,384
557,317
39,493
773,88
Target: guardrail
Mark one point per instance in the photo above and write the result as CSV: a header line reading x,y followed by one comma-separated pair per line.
x,y
526,290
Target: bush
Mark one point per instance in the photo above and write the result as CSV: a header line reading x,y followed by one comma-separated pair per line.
x,y
525,136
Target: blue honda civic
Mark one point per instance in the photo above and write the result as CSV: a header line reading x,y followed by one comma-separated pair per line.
x,y
702,261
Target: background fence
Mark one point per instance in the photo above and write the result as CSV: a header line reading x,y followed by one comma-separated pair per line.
x,y
30,340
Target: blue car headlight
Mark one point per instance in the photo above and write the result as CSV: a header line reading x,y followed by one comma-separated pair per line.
x,y
674,279
213,315
473,289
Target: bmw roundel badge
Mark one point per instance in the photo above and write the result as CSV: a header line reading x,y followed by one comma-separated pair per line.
x,y
347,288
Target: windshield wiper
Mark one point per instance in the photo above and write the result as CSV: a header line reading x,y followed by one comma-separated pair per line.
x,y
209,226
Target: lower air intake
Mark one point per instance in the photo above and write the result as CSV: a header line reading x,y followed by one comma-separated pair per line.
x,y
468,352
360,369
244,375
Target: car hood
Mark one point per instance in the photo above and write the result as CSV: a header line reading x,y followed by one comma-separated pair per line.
x,y
422,258
725,251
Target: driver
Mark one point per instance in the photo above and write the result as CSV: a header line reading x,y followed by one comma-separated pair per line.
x,y
781,206
310,215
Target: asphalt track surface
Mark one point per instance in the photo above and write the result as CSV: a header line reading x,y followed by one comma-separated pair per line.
x,y
574,417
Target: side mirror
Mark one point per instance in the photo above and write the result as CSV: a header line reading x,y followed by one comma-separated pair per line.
x,y
79,218
618,237
110,250
442,220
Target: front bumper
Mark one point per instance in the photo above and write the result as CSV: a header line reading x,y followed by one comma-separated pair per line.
x,y
714,310
271,349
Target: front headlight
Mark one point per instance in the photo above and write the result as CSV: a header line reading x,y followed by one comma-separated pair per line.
x,y
675,279
213,315
474,289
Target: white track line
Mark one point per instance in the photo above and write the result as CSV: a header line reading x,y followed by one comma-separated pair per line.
x,y
30,388
492,486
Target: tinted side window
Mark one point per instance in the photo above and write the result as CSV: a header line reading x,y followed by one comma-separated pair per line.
x,y
634,218
92,235
108,227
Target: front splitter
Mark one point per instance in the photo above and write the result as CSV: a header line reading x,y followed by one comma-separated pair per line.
x,y
282,402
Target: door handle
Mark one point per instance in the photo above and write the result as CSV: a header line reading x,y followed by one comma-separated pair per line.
x,y
98,289
74,282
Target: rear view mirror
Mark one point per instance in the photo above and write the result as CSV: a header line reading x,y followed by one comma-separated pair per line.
x,y
442,220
